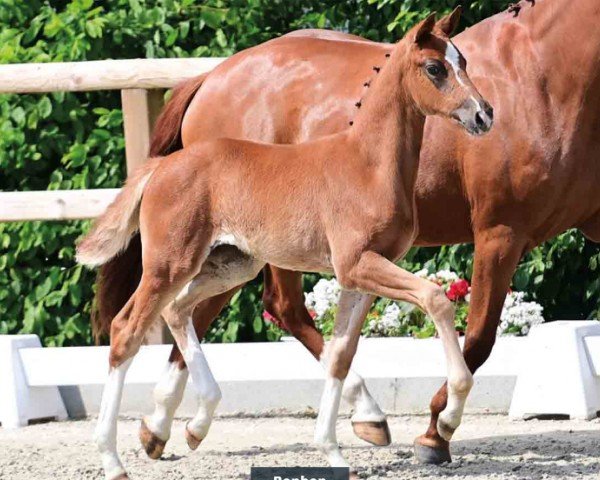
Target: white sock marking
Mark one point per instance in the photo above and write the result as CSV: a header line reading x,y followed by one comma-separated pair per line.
x,y
325,435
205,384
168,394
105,434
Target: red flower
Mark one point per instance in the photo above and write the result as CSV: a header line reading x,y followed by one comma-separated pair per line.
x,y
275,321
458,290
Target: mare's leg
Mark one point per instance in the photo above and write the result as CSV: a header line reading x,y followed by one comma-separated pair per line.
x,y
373,273
284,299
337,358
497,253
155,430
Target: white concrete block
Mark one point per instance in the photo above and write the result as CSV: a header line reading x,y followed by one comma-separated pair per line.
x,y
559,372
19,402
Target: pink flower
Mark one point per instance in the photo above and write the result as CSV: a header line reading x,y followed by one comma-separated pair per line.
x,y
458,290
271,319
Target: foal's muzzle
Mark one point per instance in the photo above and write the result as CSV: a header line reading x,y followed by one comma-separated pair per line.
x,y
477,117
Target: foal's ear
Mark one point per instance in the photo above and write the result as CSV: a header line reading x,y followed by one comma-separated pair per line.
x,y
448,24
422,29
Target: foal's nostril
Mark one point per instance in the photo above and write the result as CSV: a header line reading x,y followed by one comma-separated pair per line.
x,y
479,120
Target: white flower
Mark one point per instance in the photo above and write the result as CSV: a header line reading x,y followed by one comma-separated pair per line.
x,y
423,273
324,296
516,312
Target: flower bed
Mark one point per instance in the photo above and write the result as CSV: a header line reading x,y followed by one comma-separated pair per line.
x,y
388,318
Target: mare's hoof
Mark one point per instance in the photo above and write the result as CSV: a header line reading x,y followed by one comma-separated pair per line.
x,y
192,441
375,433
429,454
123,476
153,445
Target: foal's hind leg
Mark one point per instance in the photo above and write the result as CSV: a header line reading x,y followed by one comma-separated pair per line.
x,y
224,269
127,334
155,429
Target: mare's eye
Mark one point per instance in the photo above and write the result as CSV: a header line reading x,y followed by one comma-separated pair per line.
x,y
435,69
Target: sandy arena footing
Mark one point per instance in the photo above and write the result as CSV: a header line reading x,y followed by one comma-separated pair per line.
x,y
486,447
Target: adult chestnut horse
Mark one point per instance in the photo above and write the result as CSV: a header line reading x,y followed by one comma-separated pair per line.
x,y
208,222
534,176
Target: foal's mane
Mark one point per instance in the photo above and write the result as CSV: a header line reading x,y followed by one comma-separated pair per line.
x,y
367,84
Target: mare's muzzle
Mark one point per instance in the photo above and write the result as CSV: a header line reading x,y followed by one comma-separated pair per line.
x,y
477,117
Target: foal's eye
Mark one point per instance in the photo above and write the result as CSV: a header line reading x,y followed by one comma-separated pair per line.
x,y
435,69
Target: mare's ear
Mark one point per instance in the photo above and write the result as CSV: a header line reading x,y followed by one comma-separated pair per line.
x,y
418,33
448,24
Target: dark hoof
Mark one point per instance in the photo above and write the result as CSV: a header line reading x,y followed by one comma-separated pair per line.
x,y
192,441
375,433
431,455
153,445
123,476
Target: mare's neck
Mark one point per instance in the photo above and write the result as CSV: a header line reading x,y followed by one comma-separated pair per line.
x,y
388,128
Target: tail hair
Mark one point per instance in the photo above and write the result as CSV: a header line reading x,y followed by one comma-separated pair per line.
x,y
112,231
118,278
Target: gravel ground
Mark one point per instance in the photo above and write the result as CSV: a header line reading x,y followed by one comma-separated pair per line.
x,y
486,447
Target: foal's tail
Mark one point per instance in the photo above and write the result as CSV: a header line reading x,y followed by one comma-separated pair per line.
x,y
112,232
119,277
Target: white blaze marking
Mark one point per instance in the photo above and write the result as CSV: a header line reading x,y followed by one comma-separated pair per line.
x,y
453,58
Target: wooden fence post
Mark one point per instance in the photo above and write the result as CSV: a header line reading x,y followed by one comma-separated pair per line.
x,y
140,110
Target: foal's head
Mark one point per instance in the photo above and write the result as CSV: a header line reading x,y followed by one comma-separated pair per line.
x,y
437,80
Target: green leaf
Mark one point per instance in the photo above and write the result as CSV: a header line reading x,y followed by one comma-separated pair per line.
x,y
45,107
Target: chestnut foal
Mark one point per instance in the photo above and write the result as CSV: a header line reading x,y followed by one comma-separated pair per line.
x,y
208,222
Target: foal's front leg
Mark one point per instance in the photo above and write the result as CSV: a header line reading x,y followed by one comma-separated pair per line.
x,y
337,358
284,299
374,273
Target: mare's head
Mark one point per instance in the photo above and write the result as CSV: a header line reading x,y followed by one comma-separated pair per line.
x,y
437,79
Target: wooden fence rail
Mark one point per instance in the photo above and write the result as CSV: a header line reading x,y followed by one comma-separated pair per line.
x,y
101,74
142,83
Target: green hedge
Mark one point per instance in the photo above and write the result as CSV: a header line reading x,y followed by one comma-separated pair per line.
x,y
70,141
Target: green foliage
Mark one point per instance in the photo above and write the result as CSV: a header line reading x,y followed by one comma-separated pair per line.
x,y
71,141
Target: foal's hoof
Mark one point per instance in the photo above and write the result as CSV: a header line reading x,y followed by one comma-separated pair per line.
x,y
153,445
375,433
354,476
430,454
123,476
192,441
446,431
